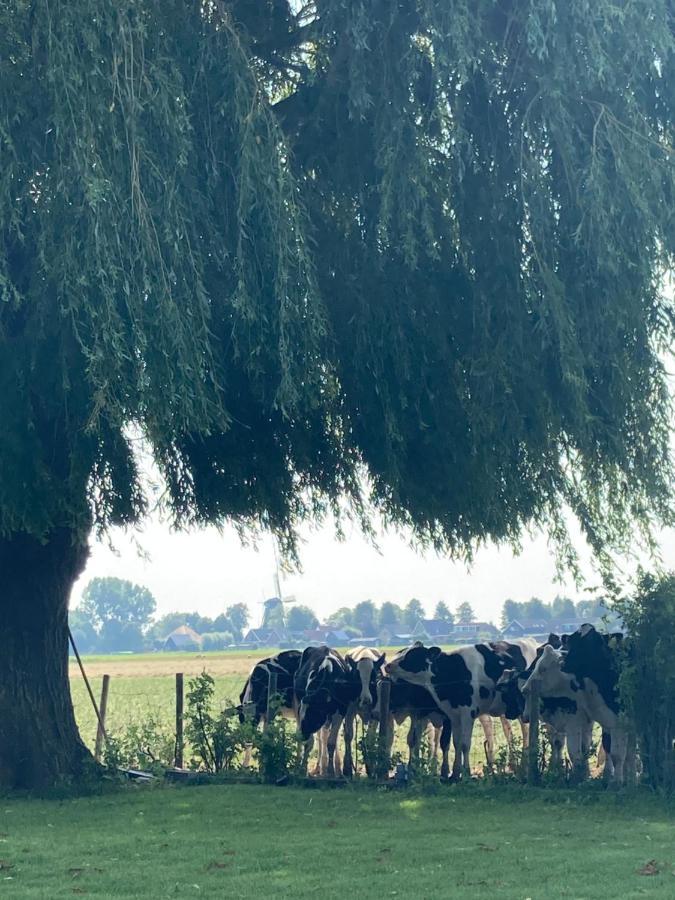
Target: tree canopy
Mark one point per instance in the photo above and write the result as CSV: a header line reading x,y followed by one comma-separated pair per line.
x,y
106,600
293,244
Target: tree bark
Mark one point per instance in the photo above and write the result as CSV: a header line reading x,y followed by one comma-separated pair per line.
x,y
39,741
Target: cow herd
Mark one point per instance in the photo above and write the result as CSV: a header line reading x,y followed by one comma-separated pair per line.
x,y
573,679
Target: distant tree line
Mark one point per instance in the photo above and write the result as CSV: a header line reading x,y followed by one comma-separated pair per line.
x,y
117,615
591,609
367,619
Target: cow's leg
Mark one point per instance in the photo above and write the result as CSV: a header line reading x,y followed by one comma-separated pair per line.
x,y
488,730
467,734
556,738
575,749
525,731
586,744
333,732
508,731
630,767
348,768
435,740
462,727
606,748
321,760
619,740
446,733
306,750
412,739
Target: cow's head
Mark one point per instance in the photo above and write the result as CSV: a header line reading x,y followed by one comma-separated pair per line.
x,y
548,677
509,698
412,664
366,671
315,700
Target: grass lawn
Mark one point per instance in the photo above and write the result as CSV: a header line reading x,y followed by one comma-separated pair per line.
x,y
255,841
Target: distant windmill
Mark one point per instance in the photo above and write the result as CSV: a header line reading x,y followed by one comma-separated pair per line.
x,y
273,613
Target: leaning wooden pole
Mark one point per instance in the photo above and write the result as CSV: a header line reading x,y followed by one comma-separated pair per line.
x,y
383,761
178,756
88,686
100,731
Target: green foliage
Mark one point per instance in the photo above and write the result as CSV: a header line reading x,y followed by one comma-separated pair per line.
x,y
375,754
115,600
286,244
443,613
465,613
389,615
300,618
412,613
147,745
647,681
365,617
238,618
592,609
216,738
217,640
277,749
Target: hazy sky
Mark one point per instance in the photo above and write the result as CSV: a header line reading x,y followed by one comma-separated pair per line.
x,y
206,571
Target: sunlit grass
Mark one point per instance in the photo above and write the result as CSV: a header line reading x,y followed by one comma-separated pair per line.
x,y
251,842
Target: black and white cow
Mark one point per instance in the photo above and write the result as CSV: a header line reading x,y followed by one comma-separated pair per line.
x,y
565,722
325,686
517,655
365,664
586,673
462,684
254,696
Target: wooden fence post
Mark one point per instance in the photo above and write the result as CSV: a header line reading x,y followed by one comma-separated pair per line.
x,y
533,749
178,760
100,731
271,699
383,761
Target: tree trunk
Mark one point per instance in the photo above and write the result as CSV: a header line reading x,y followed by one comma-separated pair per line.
x,y
39,741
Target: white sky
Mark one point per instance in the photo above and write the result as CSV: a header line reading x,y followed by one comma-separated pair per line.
x,y
206,571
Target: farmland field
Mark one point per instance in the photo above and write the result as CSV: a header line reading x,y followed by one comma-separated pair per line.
x,y
142,686
246,842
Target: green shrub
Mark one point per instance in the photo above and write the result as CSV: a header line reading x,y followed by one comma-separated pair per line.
x,y
647,682
216,738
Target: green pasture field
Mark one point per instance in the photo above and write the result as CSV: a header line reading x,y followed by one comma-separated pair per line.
x,y
246,842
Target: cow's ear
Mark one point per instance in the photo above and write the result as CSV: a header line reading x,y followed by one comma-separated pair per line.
x,y
434,652
505,677
380,661
554,640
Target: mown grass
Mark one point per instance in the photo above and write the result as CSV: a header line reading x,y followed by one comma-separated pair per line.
x,y
254,841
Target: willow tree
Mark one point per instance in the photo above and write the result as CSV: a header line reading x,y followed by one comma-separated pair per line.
x,y
408,253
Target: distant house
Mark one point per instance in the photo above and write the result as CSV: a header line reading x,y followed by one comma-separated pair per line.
x,y
540,629
468,632
565,627
514,630
265,637
432,631
368,641
331,637
183,638
391,637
